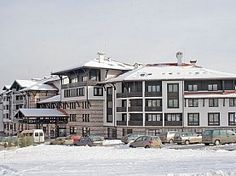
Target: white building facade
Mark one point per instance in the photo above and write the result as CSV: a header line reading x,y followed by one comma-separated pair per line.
x,y
172,96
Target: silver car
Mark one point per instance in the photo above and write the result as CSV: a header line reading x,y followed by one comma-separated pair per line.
x,y
147,142
187,138
167,137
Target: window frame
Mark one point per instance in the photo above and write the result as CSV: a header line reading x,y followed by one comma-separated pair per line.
x,y
215,122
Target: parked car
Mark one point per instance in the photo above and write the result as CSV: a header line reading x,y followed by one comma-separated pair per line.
x,y
130,138
90,141
167,137
187,138
84,141
146,142
68,140
58,141
218,136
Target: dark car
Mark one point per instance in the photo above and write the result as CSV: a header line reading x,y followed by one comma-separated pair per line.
x,y
84,141
89,141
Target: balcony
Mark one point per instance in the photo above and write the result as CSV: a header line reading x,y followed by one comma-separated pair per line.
x,y
121,109
169,123
79,84
135,108
157,108
129,94
153,94
121,123
153,123
135,123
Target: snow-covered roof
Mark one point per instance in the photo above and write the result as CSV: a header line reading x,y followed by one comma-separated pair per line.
x,y
202,95
23,83
42,113
97,63
171,72
51,99
6,87
42,86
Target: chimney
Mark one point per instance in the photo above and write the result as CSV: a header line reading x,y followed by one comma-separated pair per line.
x,y
193,62
101,56
179,56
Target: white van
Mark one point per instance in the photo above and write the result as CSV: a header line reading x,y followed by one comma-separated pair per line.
x,y
37,135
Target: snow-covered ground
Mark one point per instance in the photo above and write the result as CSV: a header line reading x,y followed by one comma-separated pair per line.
x,y
48,160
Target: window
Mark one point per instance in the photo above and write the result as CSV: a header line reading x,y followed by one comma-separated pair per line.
x,y
213,119
213,102
192,87
232,118
173,117
72,105
109,91
124,117
212,87
81,91
109,118
124,103
85,131
232,102
153,103
193,119
98,91
94,75
85,105
72,130
73,92
136,102
153,117
153,88
192,102
74,80
173,103
85,117
66,93
173,88
72,118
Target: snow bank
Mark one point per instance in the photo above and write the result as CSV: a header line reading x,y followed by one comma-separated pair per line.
x,y
44,160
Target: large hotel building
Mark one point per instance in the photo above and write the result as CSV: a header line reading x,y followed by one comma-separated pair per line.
x,y
110,98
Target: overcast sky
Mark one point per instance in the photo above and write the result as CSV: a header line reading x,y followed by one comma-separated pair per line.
x,y
41,36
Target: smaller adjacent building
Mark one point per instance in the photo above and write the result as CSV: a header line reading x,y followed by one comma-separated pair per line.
x,y
52,121
25,94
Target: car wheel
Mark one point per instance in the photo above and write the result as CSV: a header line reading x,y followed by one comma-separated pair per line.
x,y
131,146
217,142
171,141
206,144
187,142
147,146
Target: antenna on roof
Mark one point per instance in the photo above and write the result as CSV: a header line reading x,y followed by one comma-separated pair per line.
x,y
179,56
